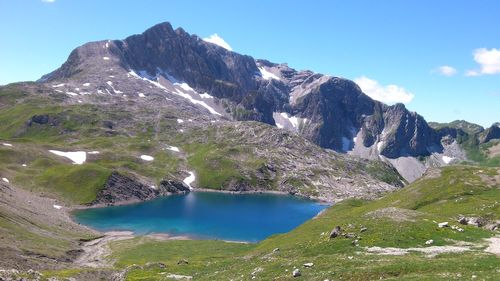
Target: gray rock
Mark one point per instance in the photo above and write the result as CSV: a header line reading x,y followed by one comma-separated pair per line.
x,y
462,220
174,187
443,224
349,235
121,188
335,232
296,273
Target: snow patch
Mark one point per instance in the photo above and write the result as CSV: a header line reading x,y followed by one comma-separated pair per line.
x,y
173,148
180,121
447,159
7,144
105,58
78,157
86,84
284,120
94,152
141,95
147,158
189,180
380,144
58,86
5,180
217,40
58,207
185,87
182,85
202,103
72,94
24,165
113,88
206,96
267,75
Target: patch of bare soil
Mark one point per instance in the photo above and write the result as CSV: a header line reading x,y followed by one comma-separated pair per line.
x,y
95,251
395,214
494,245
493,181
36,219
431,251
494,150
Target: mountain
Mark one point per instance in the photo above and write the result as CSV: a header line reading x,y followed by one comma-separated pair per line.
x,y
215,83
163,112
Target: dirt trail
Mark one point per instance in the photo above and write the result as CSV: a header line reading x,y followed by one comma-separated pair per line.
x,y
494,246
95,251
428,251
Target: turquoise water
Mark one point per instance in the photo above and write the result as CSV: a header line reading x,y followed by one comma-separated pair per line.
x,y
206,215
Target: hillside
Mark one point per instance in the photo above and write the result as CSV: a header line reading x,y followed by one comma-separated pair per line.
x,y
395,237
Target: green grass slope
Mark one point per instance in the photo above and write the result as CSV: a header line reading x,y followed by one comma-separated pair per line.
x,y
403,219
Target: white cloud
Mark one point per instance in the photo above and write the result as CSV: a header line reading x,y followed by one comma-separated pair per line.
x,y
48,1
488,60
472,73
445,70
388,94
217,40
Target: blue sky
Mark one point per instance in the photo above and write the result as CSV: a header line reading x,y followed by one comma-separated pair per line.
x,y
442,58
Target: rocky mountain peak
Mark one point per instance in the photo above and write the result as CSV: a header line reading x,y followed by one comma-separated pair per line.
x,y
332,112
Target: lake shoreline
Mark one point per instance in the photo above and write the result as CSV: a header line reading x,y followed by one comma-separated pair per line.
x,y
277,202
136,201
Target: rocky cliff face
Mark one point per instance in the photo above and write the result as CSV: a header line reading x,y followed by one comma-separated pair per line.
x,y
120,188
491,133
330,111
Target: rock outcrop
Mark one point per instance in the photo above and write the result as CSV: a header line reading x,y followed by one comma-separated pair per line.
x,y
491,133
121,188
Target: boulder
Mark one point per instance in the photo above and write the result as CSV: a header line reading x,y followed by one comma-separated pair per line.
x,y
335,232
462,220
443,224
296,273
174,187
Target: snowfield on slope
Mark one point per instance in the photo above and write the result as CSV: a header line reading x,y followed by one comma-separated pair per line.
x,y
78,157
